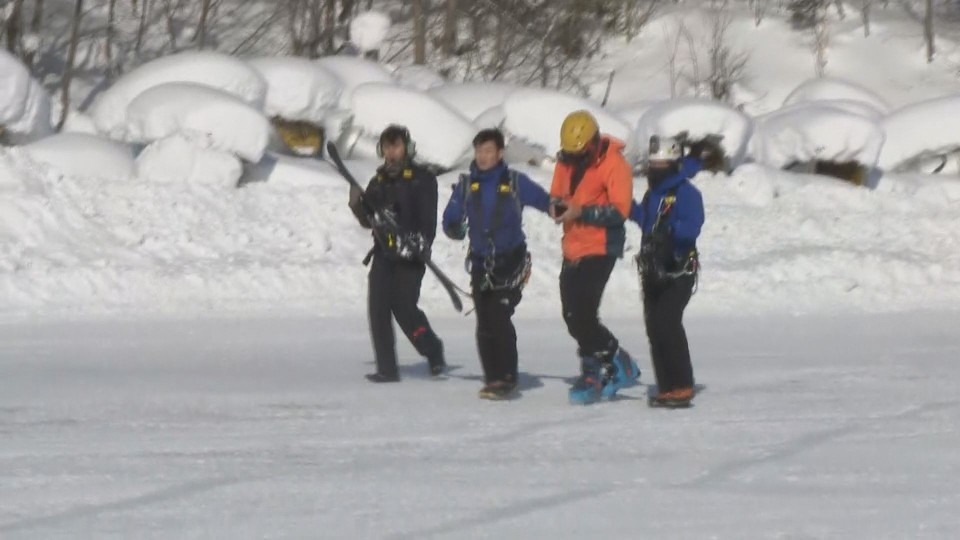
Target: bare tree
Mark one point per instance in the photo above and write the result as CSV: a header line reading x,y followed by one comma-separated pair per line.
x,y
419,33
727,67
37,16
14,27
449,41
201,34
672,58
865,14
145,6
71,62
111,33
821,40
759,11
928,31
329,25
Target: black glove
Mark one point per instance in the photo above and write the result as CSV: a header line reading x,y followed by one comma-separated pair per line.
x,y
412,247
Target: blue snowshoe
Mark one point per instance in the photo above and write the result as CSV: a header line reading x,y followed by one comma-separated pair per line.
x,y
622,372
588,387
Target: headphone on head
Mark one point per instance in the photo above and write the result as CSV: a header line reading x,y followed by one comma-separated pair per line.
x,y
409,145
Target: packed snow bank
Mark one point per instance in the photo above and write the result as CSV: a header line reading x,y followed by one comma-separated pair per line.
x,y
369,29
24,104
214,70
699,118
418,77
474,98
925,128
298,88
83,155
835,89
177,160
815,132
536,116
774,242
442,135
209,116
354,72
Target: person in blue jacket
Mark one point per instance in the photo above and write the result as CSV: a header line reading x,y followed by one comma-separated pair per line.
x,y
487,206
670,216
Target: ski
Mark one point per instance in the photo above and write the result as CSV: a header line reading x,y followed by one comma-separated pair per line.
x,y
380,219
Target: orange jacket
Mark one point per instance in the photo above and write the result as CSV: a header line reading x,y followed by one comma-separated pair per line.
x,y
605,193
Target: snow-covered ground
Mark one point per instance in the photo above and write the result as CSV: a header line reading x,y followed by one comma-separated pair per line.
x,y
840,427
774,242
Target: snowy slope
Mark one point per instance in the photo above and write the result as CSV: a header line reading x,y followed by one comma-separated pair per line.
x,y
889,64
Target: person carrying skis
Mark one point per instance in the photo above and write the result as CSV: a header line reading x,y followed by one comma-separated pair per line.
x,y
670,216
409,192
487,205
591,196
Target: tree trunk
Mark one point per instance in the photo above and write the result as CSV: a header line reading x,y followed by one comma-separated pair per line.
x,y
822,39
71,62
928,31
111,32
419,34
37,16
14,30
866,17
450,29
142,29
202,26
329,25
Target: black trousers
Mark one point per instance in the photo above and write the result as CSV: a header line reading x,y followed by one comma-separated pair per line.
x,y
394,292
581,288
663,305
496,335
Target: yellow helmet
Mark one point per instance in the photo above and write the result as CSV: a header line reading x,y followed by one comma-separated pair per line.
x,y
578,129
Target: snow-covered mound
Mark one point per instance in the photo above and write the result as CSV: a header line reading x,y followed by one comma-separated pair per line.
x,y
474,98
536,116
354,72
214,70
493,117
699,118
860,108
24,104
298,88
418,77
368,30
212,118
178,160
835,89
442,135
925,128
83,155
816,132
631,113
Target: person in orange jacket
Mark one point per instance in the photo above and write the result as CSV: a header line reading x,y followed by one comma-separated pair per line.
x,y
591,196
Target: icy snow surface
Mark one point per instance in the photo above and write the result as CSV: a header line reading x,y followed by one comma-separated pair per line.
x,y
265,428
